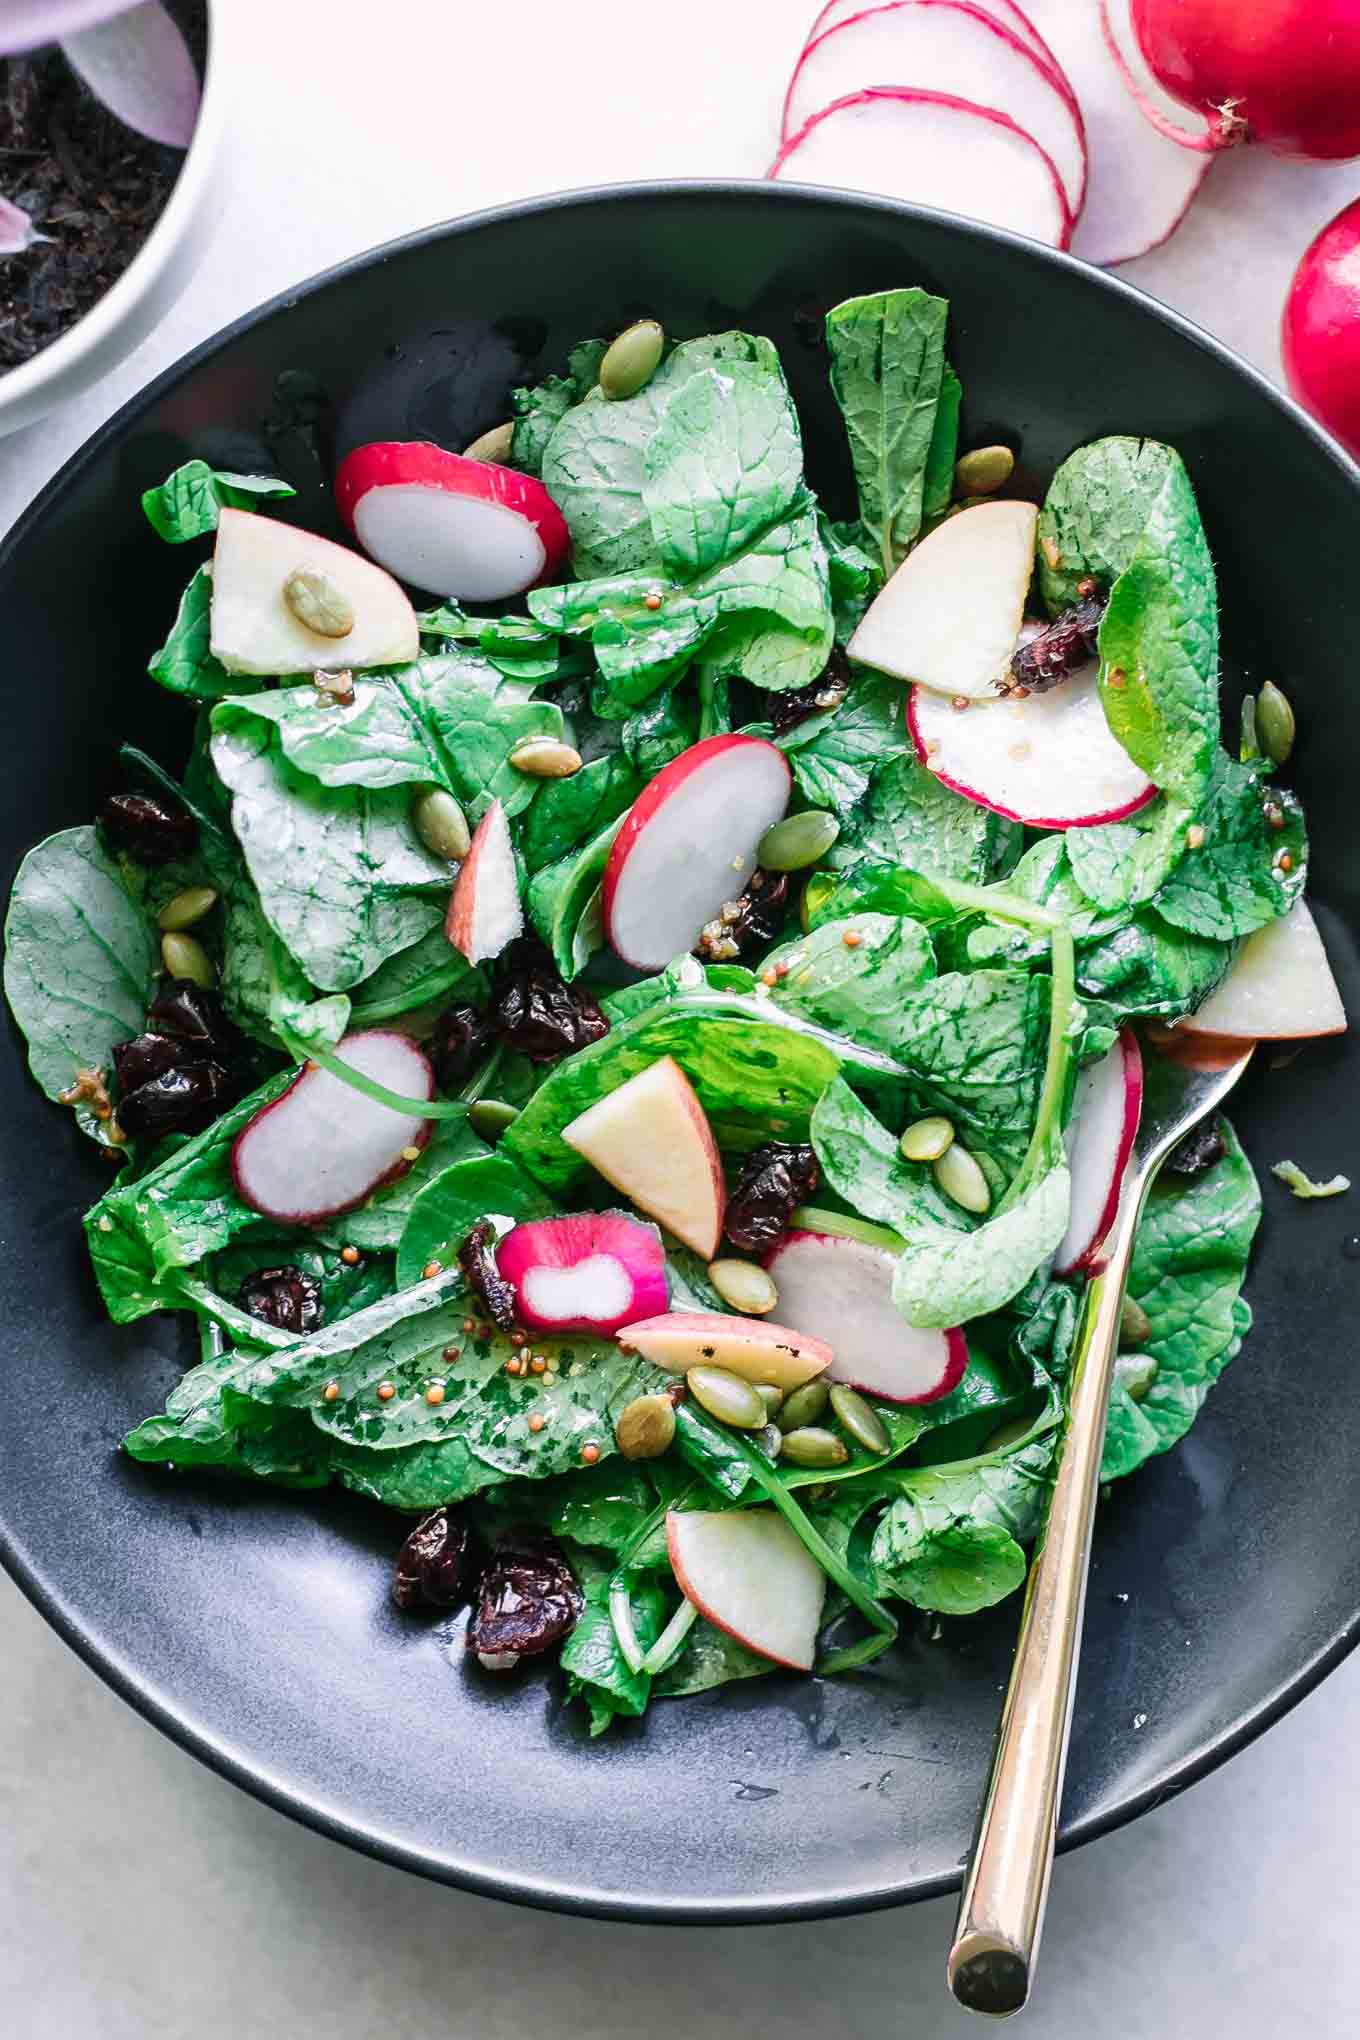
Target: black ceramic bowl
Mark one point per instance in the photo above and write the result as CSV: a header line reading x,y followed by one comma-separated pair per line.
x,y
256,1628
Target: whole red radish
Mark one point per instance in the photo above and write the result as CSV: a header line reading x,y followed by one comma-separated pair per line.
x,y
1283,73
1320,332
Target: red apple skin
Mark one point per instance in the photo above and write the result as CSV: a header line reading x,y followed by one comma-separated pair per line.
x,y
404,462
1116,814
1090,1261
689,1099
460,917
668,780
682,1581
714,1326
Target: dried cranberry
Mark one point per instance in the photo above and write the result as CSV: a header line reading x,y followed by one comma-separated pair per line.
x,y
745,926
795,703
477,1259
147,829
1200,1149
286,1298
528,1600
135,1062
185,1009
1058,652
774,1178
535,1012
182,1100
461,1035
432,1565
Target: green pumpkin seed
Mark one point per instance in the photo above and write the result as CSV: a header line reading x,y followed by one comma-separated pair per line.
x,y
770,1439
804,1405
493,445
743,1285
772,1397
811,1446
184,957
859,1418
1007,1435
958,1175
927,1139
1135,1326
441,824
545,758
1135,1374
797,841
645,1427
631,362
1250,745
728,1397
489,1117
816,893
1275,723
983,471
319,603
186,908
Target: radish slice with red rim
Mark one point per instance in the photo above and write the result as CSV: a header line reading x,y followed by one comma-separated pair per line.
x,y
1007,12
931,148
928,45
591,1273
839,1289
467,528
1100,1137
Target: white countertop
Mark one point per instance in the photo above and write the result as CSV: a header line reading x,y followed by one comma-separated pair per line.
x,y
141,1898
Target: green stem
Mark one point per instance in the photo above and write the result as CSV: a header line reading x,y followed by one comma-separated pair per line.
x,y
998,905
811,1537
1048,1118
418,1108
621,1620
671,1641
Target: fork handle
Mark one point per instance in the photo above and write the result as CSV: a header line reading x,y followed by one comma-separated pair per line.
x,y
1001,1914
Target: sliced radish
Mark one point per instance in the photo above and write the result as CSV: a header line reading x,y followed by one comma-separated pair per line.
x,y
931,148
1100,1136
748,1574
652,1140
1007,12
253,630
323,1147
1280,988
468,528
840,1289
484,910
1050,761
929,45
688,844
751,1347
950,616
587,1274
1141,184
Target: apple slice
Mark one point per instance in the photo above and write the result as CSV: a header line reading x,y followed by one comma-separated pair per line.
x,y
1280,988
751,1347
484,910
584,1274
748,1574
688,843
950,616
252,629
467,528
1050,761
323,1147
839,1288
652,1140
1100,1137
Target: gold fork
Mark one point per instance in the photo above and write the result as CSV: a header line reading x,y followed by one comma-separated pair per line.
x,y
996,1939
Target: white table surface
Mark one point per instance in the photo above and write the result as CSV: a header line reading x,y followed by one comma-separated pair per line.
x,y
143,1899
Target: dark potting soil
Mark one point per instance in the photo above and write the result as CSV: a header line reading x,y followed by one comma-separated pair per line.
x,y
93,186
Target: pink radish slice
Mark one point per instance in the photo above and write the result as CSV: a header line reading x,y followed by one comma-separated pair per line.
x,y
1007,12
930,148
1050,761
587,1274
484,910
688,844
1100,1136
323,1147
468,528
749,1575
930,45
839,1289
1140,184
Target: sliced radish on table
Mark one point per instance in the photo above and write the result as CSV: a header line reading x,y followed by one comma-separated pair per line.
x,y
840,1289
584,1274
688,843
652,1140
1007,12
252,629
323,1147
1140,183
931,148
1050,761
751,1347
950,616
484,911
468,528
1100,1136
748,1574
1280,988
930,45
